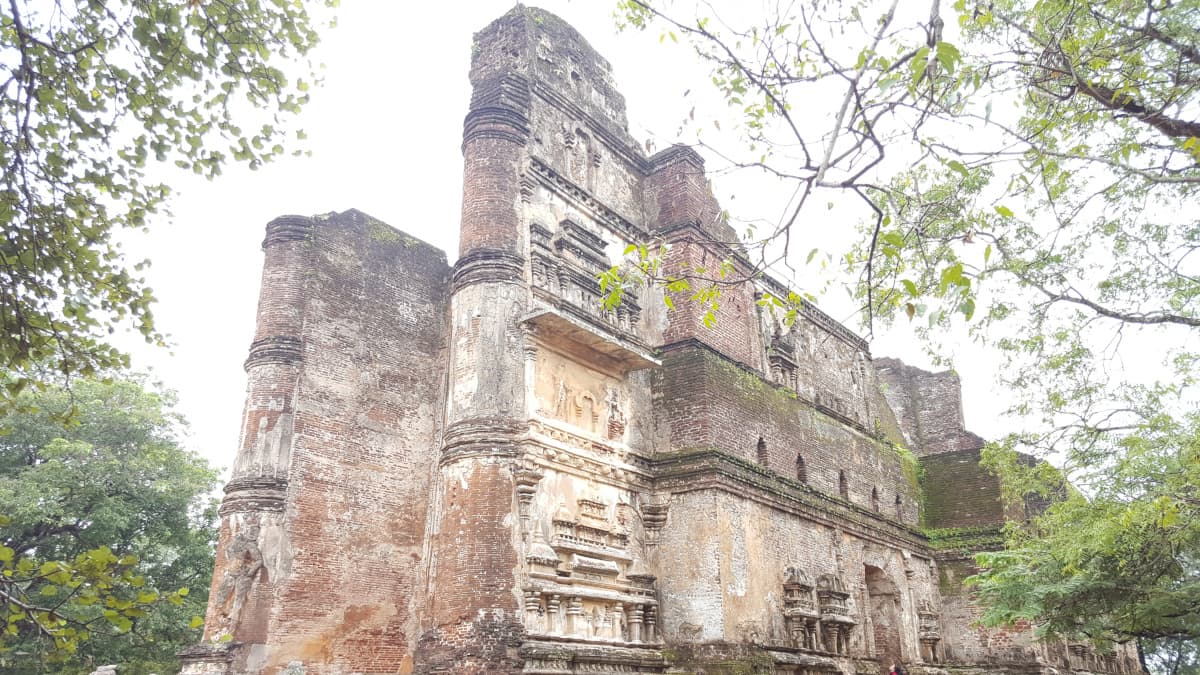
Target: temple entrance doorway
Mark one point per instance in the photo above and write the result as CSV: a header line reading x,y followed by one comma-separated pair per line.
x,y
883,602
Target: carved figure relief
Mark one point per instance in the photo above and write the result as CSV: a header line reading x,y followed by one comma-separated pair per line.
x,y
243,566
582,156
582,397
616,418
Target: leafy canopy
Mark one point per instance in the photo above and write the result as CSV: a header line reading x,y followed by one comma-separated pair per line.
x,y
90,93
1112,566
107,524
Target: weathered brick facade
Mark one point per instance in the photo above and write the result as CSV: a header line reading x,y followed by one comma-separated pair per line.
x,y
476,469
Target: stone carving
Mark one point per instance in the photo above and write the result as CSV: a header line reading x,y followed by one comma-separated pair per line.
x,y
585,583
579,396
540,553
615,429
782,357
836,622
564,264
928,631
578,407
526,480
243,566
799,610
654,518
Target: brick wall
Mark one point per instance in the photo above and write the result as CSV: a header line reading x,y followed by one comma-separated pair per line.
x,y
928,407
959,492
722,561
705,400
372,326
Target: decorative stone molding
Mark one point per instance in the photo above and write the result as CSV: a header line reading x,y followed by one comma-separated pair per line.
x,y
481,436
499,110
259,494
580,198
654,518
546,658
278,349
486,266
207,659
564,264
288,228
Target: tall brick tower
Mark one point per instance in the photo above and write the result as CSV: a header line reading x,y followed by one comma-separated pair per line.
x,y
475,617
479,469
537,84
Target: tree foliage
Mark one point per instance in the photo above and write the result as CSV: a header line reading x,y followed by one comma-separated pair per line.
x,y
1029,169
107,538
90,93
1117,564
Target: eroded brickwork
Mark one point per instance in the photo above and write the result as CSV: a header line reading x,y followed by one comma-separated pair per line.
x,y
479,469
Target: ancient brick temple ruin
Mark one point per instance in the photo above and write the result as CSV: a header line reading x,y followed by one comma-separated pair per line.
x,y
474,468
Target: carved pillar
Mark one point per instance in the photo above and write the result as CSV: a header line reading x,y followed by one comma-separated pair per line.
x,y
654,517
529,350
575,623
636,614
616,620
526,480
651,628
832,638
554,615
533,610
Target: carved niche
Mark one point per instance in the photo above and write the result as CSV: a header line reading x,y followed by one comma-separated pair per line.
x,y
244,565
928,631
817,616
564,263
586,583
836,623
782,357
800,610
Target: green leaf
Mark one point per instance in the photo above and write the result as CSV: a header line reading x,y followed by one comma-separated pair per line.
x,y
918,64
951,275
948,56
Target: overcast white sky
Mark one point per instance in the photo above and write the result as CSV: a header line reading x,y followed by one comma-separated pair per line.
x,y
385,133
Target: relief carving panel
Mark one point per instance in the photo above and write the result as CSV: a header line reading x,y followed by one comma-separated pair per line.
x,y
570,392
